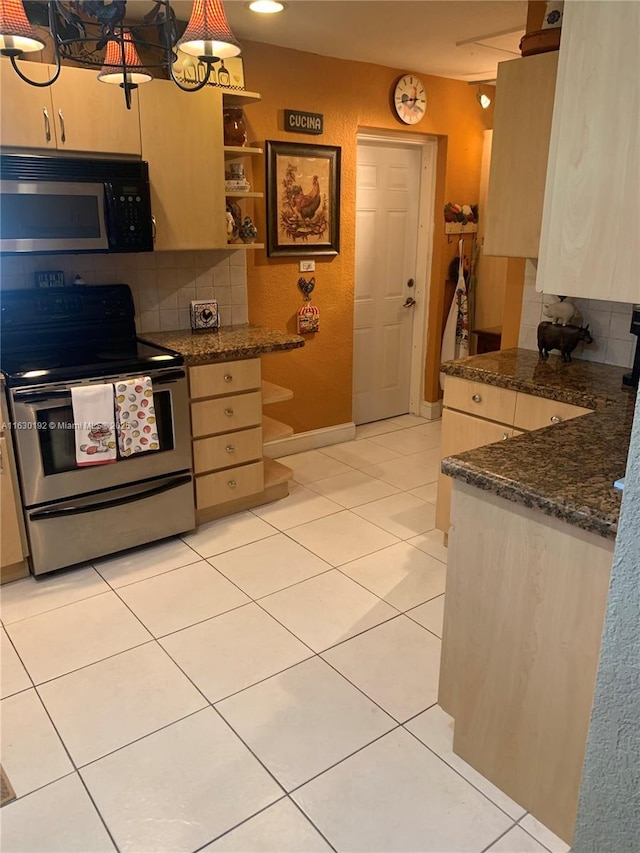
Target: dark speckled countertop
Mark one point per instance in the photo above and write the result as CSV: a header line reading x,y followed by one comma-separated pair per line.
x,y
566,470
225,344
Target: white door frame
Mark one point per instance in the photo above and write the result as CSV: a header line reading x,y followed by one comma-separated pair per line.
x,y
429,149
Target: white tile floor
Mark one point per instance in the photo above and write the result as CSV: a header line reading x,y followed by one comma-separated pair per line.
x,y
267,683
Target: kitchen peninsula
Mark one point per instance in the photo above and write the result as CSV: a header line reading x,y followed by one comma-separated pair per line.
x,y
228,427
533,523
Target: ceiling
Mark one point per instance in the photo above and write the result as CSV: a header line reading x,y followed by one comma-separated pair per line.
x,y
462,39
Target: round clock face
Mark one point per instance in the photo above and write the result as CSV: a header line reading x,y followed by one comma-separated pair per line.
x,y
410,99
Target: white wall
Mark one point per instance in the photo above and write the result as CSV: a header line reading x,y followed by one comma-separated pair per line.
x,y
163,283
609,324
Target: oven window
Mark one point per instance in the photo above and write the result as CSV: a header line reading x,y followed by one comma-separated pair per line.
x,y
57,443
29,216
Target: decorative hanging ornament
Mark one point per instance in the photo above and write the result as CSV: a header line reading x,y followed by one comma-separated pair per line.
x,y
308,315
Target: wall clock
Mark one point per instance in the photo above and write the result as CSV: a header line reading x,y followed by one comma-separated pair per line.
x,y
410,99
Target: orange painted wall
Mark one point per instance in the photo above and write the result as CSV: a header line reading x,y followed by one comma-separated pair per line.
x,y
352,96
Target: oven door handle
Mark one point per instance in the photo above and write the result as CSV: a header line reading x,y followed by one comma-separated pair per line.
x,y
40,396
65,511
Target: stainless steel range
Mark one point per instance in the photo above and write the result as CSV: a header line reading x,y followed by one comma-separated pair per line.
x,y
52,340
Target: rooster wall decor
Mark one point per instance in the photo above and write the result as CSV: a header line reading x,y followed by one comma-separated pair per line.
x,y
304,214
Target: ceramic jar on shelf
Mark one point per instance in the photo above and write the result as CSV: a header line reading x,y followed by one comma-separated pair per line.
x,y
235,129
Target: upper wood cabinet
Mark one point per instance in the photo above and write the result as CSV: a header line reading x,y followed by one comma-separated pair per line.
x,y
182,139
77,113
522,126
591,221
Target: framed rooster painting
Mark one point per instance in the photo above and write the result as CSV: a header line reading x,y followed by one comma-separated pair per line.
x,y
303,199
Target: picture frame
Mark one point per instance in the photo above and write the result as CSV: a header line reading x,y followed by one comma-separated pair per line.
x,y
303,199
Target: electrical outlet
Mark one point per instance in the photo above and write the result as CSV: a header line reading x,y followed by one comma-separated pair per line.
x,y
307,266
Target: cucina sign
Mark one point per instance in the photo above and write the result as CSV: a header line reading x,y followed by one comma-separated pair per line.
x,y
297,121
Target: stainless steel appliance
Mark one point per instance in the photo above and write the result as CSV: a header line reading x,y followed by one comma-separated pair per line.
x,y
50,341
64,204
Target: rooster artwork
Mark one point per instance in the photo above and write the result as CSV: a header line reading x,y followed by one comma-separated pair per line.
x,y
304,213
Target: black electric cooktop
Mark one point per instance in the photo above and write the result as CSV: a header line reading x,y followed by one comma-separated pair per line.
x,y
55,336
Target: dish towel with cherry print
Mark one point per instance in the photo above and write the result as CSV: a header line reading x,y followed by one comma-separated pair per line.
x,y
135,416
94,424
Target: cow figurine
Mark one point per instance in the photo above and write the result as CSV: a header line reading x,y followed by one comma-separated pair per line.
x,y
565,338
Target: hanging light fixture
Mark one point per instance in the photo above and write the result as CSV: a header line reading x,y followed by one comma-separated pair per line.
x,y
94,35
16,33
481,97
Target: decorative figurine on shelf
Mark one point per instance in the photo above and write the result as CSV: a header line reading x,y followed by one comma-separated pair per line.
x,y
565,338
234,221
248,231
560,312
235,130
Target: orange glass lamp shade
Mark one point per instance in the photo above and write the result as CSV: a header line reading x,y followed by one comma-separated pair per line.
x,y
16,33
112,70
208,34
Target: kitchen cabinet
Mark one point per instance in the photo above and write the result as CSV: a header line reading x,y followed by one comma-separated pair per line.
x,y
522,127
77,113
13,543
182,140
589,245
475,414
524,610
246,154
228,435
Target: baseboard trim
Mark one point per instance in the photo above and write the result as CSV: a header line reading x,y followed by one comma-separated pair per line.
x,y
431,411
310,440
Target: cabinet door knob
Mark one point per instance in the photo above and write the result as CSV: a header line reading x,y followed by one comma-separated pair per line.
x,y
476,398
555,419
228,412
505,436
228,377
231,484
230,448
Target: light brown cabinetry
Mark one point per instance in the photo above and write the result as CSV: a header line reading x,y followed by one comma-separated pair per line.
x,y
522,128
523,619
13,547
76,113
476,414
227,430
589,245
182,142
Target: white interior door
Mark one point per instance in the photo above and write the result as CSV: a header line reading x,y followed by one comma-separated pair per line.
x,y
387,208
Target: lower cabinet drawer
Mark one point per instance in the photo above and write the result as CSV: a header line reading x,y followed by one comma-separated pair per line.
x,y
211,380
229,485
537,412
476,398
221,451
225,414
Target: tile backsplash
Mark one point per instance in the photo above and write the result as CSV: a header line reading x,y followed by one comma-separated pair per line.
x,y
163,283
609,324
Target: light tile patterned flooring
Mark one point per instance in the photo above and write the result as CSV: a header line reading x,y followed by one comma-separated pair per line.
x,y
267,683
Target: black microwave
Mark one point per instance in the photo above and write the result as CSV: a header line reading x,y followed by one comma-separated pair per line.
x,y
63,204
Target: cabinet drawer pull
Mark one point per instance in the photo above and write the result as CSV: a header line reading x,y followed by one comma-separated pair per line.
x,y
47,125
476,398
230,448
228,412
231,483
62,129
555,419
228,377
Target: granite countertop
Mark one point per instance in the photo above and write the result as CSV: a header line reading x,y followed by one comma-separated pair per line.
x,y
566,470
225,344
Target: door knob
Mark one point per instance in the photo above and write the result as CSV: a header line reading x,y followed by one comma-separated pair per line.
x,y
409,302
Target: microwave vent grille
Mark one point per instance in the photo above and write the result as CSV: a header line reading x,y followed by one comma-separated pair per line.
x,y
18,167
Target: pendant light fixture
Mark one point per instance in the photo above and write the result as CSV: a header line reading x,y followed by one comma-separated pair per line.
x,y
16,33
481,97
98,35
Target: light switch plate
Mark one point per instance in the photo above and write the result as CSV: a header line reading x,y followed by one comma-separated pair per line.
x,y
307,266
